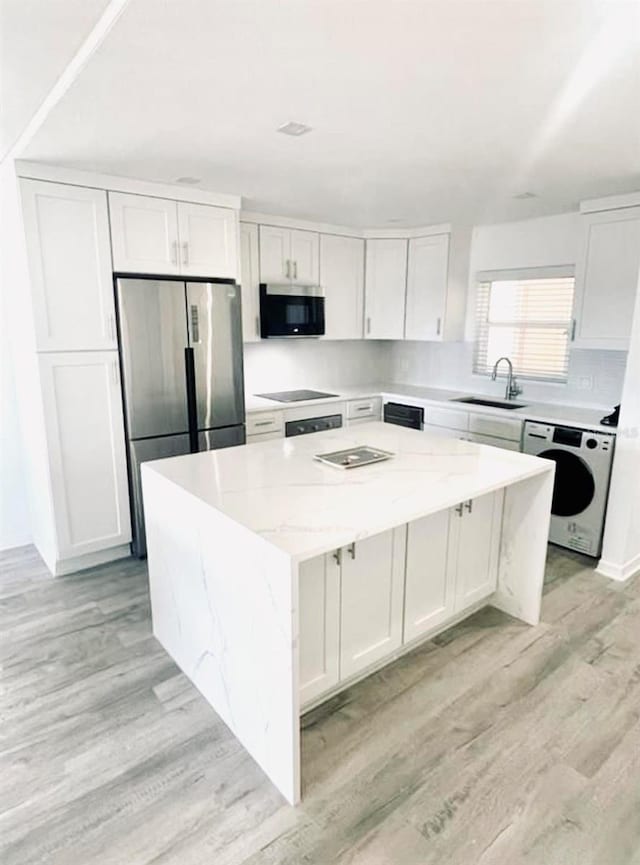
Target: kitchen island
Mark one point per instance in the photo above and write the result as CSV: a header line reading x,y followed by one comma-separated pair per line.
x,y
277,580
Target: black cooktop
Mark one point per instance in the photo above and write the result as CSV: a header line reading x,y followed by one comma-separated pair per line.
x,y
295,395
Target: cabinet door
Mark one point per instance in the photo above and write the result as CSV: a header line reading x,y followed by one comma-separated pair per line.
x,y
474,548
385,284
427,276
607,279
67,236
319,617
493,441
305,257
208,240
275,254
342,279
85,436
144,234
371,600
250,281
430,586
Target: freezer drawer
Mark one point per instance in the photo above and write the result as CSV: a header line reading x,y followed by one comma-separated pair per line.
x,y
143,451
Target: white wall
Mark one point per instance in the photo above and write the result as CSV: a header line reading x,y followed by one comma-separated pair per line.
x,y
281,364
621,545
595,377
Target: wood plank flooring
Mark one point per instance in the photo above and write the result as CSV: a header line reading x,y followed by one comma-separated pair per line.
x,y
495,743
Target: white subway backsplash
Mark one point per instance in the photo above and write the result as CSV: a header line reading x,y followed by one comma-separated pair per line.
x,y
449,365
286,364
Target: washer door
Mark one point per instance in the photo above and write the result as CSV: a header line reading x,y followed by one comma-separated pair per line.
x,y
574,487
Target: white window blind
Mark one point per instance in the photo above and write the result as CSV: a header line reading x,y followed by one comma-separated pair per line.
x,y
528,320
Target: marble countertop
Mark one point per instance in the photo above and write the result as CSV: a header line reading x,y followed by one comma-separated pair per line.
x,y
581,416
305,508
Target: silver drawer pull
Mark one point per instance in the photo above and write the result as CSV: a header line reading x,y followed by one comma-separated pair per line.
x,y
338,557
469,505
264,423
352,550
459,509
365,408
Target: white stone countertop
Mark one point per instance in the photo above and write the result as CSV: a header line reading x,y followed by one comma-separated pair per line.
x,y
305,508
580,416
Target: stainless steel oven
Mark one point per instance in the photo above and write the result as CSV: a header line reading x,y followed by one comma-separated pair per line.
x,y
291,310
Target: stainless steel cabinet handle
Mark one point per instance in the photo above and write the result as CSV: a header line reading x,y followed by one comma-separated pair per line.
x,y
352,550
295,269
195,324
439,326
573,330
365,408
288,269
257,325
264,423
368,324
469,505
174,252
338,557
185,253
459,509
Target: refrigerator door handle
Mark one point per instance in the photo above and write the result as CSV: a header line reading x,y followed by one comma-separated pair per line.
x,y
192,406
195,323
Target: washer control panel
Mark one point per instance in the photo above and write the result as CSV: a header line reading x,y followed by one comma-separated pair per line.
x,y
570,437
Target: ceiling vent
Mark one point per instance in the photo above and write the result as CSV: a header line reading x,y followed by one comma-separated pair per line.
x,y
294,128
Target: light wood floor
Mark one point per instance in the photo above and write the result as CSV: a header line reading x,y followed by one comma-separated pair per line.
x,y
496,743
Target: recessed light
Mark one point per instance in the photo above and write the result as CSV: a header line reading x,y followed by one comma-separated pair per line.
x,y
189,181
522,195
294,128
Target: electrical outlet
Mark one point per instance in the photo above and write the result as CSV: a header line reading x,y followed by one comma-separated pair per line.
x,y
585,382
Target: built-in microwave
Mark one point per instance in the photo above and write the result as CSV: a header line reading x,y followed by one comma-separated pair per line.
x,y
291,310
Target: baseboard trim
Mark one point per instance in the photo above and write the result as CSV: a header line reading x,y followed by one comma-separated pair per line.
x,y
90,560
620,573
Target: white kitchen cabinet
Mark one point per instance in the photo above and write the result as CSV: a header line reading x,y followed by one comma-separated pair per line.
x,y
385,287
427,284
208,240
430,595
474,543
364,410
68,246
289,256
371,600
87,462
342,279
606,284
319,616
445,432
161,236
144,234
250,281
493,441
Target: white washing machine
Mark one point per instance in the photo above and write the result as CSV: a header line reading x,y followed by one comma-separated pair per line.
x,y
583,467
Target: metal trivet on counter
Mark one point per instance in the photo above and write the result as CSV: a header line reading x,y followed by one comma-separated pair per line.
x,y
354,457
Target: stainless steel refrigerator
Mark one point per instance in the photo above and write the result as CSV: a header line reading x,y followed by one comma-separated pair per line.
x,y
181,360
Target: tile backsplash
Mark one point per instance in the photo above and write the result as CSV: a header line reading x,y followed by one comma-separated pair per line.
x,y
595,377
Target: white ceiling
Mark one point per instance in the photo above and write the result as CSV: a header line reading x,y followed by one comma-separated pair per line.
x,y
422,110
38,38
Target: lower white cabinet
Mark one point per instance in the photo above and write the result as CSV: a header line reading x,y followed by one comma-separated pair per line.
x,y
429,590
85,436
371,600
319,606
474,544
493,441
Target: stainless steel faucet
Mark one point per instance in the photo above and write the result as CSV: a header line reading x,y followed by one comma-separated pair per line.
x,y
512,390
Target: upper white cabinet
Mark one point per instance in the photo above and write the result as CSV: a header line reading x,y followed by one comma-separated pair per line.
x,y
385,286
371,600
67,237
289,255
158,235
250,281
85,439
208,240
607,278
342,279
427,285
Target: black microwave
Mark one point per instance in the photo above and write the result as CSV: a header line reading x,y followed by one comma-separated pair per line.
x,y
291,310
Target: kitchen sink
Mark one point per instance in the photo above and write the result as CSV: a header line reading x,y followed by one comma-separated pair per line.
x,y
493,403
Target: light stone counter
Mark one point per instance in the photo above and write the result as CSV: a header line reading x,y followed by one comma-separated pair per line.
x,y
228,529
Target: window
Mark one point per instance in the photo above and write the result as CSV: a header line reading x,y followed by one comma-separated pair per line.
x,y
526,316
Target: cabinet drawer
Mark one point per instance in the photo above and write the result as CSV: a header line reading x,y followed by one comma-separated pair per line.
x,y
444,432
500,427
263,422
447,417
264,437
359,408
505,444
